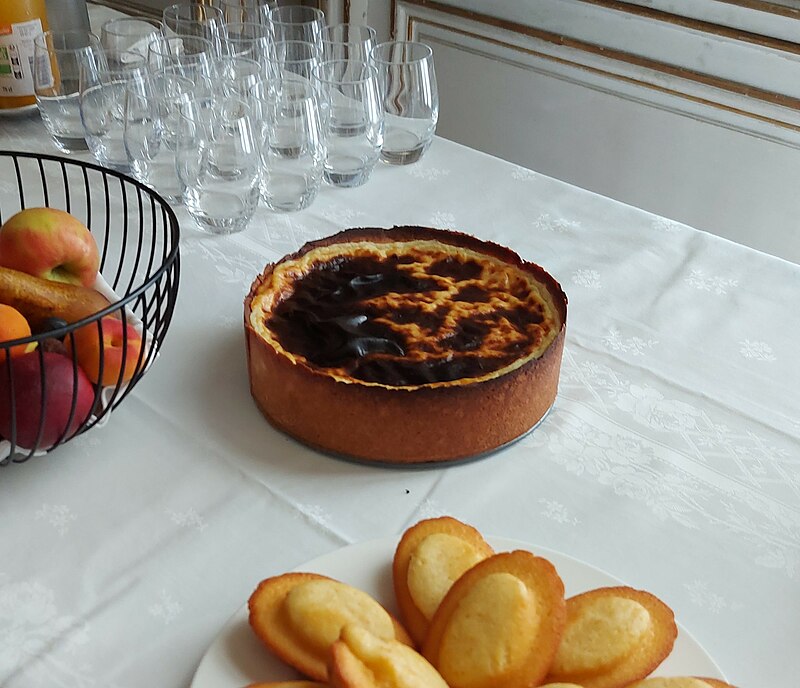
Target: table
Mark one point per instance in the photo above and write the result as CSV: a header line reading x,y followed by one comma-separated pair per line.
x,y
671,458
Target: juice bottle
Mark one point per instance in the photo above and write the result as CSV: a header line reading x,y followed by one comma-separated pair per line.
x,y
20,22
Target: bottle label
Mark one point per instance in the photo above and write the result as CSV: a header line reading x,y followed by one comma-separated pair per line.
x,y
17,56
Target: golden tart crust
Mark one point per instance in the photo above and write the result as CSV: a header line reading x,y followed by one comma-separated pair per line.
x,y
404,345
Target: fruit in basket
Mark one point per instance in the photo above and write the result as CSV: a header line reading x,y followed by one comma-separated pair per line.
x,y
40,300
63,383
51,244
118,348
13,325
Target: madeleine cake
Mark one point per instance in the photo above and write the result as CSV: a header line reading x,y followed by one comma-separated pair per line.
x,y
406,345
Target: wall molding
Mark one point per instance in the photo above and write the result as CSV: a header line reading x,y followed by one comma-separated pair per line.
x,y
598,51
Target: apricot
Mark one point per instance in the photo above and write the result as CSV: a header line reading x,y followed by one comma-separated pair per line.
x,y
14,326
108,350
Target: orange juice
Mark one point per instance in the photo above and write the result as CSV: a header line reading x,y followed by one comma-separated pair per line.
x,y
20,22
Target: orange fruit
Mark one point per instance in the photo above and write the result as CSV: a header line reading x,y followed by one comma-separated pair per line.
x,y
14,326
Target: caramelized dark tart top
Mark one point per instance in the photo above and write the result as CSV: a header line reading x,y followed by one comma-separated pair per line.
x,y
405,313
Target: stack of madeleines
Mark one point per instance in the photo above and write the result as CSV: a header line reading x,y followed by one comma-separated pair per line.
x,y
469,618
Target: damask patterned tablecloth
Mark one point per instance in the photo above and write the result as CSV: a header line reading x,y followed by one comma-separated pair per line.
x,y
671,458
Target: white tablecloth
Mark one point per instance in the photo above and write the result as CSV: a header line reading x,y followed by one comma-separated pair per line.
x,y
671,459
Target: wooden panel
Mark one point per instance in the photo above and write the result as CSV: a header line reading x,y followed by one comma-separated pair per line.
x,y
708,155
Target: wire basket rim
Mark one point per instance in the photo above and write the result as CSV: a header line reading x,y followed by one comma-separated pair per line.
x,y
169,259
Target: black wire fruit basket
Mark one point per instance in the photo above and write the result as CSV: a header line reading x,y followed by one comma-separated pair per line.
x,y
69,374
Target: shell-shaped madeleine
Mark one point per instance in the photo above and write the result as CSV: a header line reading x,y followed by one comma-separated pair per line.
x,y
300,615
429,558
613,637
681,682
500,624
361,660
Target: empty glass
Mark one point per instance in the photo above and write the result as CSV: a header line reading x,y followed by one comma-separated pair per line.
x,y
410,99
292,57
152,111
237,75
295,23
128,34
103,89
195,19
243,10
247,39
191,55
218,162
291,144
58,59
348,42
352,120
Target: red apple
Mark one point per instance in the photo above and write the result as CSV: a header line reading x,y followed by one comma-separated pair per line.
x,y
61,386
51,244
118,339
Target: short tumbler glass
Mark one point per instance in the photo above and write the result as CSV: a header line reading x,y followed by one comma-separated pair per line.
x,y
410,99
103,90
152,113
219,164
352,120
291,144
59,58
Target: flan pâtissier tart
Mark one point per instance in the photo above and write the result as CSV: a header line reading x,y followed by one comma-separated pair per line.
x,y
406,345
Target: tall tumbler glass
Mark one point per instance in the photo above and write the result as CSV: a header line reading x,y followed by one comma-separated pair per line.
x,y
291,144
410,99
58,59
352,120
218,162
152,113
103,90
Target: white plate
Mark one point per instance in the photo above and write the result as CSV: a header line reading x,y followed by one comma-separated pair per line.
x,y
237,657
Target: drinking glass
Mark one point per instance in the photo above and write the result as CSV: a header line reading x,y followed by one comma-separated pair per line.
x,y
59,57
152,110
352,120
128,34
291,144
292,57
247,39
347,42
238,75
219,164
102,105
295,23
410,99
192,55
195,19
243,10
